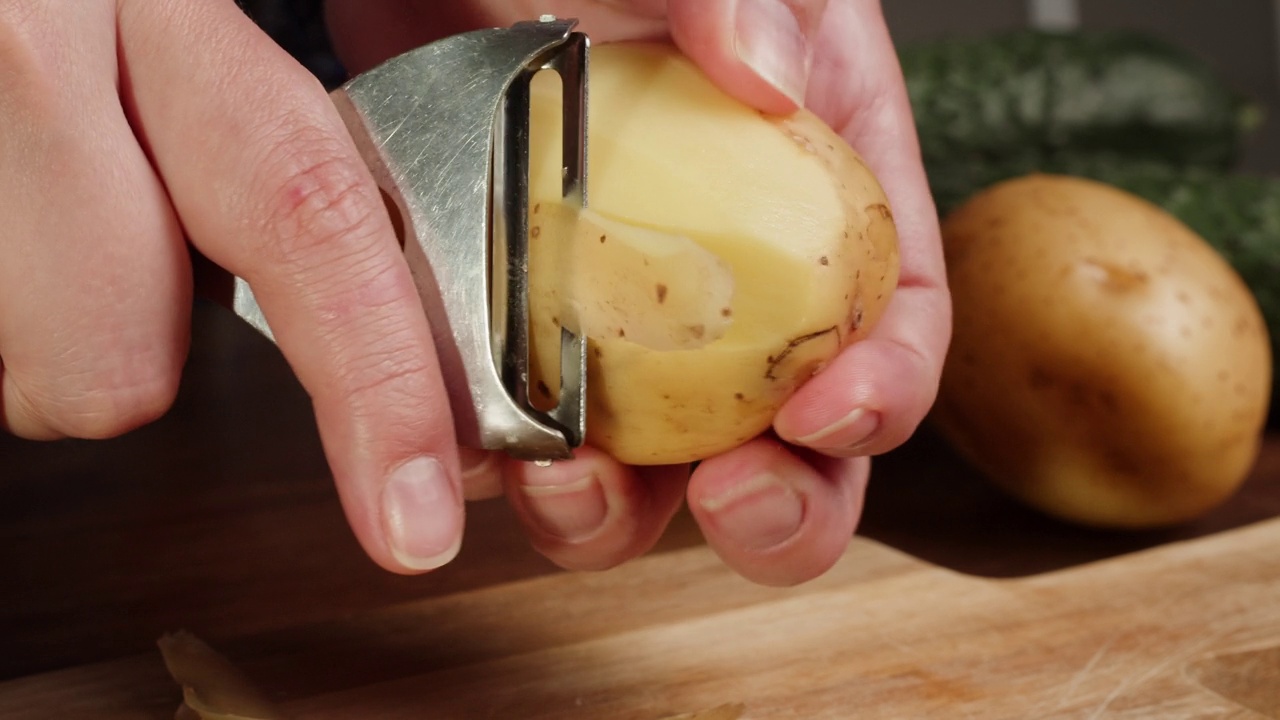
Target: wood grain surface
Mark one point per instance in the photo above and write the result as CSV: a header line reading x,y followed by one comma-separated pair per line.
x,y
884,635
954,602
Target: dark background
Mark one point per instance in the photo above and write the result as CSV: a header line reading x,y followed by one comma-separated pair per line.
x,y
1239,37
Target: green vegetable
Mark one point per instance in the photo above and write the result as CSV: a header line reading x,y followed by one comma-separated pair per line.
x,y
1039,96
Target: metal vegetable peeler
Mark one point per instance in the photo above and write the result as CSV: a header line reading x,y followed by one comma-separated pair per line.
x,y
445,129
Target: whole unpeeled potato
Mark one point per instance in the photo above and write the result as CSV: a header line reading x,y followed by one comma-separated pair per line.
x,y
724,257
1108,366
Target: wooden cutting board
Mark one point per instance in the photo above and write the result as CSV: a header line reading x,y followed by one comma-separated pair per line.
x,y
222,517
1185,630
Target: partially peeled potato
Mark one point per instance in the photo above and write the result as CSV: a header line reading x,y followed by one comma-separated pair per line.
x,y
725,256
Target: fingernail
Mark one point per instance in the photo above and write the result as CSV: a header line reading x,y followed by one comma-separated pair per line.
x,y
421,515
769,38
845,435
759,514
570,511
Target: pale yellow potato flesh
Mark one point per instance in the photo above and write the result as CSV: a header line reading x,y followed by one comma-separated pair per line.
x,y
611,279
782,206
1107,365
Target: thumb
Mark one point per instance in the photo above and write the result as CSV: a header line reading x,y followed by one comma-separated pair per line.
x,y
759,51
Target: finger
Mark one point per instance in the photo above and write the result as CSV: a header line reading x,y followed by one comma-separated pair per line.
x,y
592,513
759,51
94,277
270,186
873,396
774,517
876,393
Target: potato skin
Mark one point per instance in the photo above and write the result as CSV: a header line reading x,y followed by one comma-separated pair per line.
x,y
1107,366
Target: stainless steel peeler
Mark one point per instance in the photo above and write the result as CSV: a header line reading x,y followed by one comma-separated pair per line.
x,y
445,130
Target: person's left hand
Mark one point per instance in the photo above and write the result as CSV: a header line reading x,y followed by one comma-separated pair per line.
x,y
779,510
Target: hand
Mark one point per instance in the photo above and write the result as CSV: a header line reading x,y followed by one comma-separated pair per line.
x,y
131,126
777,512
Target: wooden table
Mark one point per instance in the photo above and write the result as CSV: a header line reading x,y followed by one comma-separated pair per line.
x,y
221,519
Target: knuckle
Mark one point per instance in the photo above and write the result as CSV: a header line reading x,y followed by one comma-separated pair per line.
x,y
389,381
25,62
391,397
319,201
105,402
386,375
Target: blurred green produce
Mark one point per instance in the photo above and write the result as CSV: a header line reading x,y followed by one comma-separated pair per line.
x,y
1042,95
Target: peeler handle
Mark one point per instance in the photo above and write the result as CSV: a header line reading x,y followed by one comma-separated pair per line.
x,y
441,129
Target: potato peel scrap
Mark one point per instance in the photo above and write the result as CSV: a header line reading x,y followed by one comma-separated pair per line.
x,y
212,688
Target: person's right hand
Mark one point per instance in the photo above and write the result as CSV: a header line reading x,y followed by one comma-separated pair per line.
x,y
132,126
777,512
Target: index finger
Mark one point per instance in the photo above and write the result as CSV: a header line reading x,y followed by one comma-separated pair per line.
x,y
270,186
